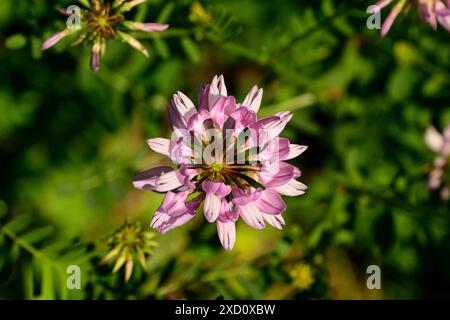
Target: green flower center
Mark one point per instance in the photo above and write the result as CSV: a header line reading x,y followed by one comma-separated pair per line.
x,y
101,21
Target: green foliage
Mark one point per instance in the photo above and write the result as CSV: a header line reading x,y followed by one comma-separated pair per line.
x,y
38,260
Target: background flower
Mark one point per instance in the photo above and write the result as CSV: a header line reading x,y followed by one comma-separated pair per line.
x,y
439,177
433,12
101,21
129,245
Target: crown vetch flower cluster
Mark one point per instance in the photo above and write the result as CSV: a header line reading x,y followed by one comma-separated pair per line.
x,y
440,172
104,20
227,159
433,12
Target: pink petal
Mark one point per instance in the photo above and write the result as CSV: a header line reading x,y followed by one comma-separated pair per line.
x,y
147,180
217,89
433,139
181,109
168,181
390,19
227,234
55,38
274,125
426,13
379,6
95,65
217,188
277,174
184,105
159,145
252,216
174,203
196,122
253,99
295,150
243,118
223,107
241,198
212,207
292,188
148,27
275,221
270,202
174,211
277,149
174,222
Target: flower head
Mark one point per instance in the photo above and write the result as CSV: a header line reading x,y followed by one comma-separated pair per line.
x,y
302,276
101,21
433,12
439,177
128,244
227,159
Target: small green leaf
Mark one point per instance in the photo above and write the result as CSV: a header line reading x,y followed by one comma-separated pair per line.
x,y
16,41
38,234
19,223
191,49
162,49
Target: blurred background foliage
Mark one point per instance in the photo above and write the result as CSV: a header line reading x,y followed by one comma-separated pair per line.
x,y
71,140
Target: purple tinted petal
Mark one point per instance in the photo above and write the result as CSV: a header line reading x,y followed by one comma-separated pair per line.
x,y
218,188
278,174
55,38
241,198
270,202
379,6
390,19
147,180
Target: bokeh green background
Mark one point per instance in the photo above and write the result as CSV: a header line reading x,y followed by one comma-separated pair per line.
x,y
71,141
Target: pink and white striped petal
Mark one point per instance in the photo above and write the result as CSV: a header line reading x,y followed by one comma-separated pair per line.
x,y
160,145
253,99
252,216
212,207
227,234
293,188
275,221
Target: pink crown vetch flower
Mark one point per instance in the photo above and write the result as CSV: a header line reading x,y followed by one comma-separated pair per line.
x,y
101,21
440,173
227,159
433,12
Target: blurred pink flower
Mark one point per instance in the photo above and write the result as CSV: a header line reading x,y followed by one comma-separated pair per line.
x,y
433,12
226,159
440,173
102,21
